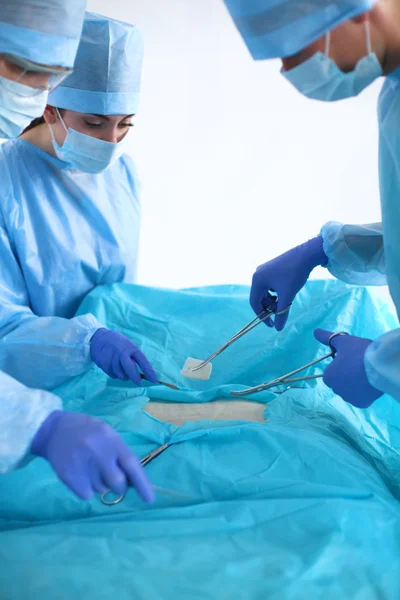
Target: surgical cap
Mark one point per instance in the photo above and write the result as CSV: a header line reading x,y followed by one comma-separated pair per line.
x,y
280,28
107,72
42,31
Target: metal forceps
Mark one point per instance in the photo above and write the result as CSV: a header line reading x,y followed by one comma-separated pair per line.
x,y
288,379
169,385
260,318
145,461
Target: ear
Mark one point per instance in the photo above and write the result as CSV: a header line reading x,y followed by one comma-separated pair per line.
x,y
360,18
50,115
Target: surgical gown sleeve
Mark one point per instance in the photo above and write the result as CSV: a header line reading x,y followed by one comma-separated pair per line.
x,y
382,363
355,253
40,352
22,412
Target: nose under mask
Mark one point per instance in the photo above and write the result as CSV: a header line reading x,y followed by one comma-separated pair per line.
x,y
320,78
86,153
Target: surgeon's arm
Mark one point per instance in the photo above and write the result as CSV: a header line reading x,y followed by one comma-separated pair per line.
x,y
41,352
355,252
22,413
382,363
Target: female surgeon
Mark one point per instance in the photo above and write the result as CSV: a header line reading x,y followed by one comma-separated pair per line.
x,y
86,454
331,51
70,217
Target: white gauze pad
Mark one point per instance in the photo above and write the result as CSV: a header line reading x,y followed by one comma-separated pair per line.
x,y
203,374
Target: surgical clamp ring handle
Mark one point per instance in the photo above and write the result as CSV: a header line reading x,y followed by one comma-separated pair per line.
x,y
288,379
145,461
260,318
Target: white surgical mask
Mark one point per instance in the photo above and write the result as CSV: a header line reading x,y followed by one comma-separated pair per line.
x,y
86,153
19,106
320,78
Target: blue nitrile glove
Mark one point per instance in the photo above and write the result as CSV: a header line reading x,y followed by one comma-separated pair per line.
x,y
119,357
89,456
346,374
285,275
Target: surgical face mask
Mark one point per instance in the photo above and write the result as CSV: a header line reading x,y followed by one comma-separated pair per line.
x,y
19,105
321,79
86,153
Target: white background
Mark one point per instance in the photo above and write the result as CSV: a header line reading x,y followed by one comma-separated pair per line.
x,y
236,166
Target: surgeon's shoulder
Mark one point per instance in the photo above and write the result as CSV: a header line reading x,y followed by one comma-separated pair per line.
x,y
9,161
129,166
389,96
12,155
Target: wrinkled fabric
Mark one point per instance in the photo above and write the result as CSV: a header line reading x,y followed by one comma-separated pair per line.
x,y
23,410
46,32
284,27
107,72
389,179
369,254
305,505
355,252
170,325
62,233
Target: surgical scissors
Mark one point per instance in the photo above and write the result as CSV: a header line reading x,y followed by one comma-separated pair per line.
x,y
260,318
145,461
288,379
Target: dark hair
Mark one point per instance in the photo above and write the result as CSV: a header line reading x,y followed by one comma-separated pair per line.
x,y
35,123
39,121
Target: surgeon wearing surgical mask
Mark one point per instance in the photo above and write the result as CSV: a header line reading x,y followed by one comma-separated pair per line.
x,y
85,453
26,77
332,51
71,216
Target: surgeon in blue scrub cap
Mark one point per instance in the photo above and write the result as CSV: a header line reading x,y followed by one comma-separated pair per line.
x,y
85,453
38,44
336,48
71,217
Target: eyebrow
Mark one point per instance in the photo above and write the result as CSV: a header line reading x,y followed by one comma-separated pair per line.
x,y
108,118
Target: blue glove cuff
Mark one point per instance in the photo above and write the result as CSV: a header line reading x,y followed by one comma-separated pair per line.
x,y
317,254
39,444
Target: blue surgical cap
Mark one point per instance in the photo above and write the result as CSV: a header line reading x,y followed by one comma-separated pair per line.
x,y
42,31
280,28
107,71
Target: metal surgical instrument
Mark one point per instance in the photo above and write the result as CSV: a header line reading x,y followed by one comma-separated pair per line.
x,y
169,385
145,461
260,318
288,379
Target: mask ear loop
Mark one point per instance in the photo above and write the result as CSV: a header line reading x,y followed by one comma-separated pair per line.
x,y
51,129
327,43
368,46
62,120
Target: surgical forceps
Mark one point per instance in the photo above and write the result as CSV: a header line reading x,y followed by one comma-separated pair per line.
x,y
145,461
169,385
288,379
260,318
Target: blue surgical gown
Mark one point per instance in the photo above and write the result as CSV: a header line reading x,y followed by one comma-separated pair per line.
x,y
62,232
370,254
23,410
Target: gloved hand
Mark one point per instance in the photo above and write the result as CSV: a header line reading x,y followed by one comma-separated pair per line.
x,y
89,456
285,275
117,356
346,374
